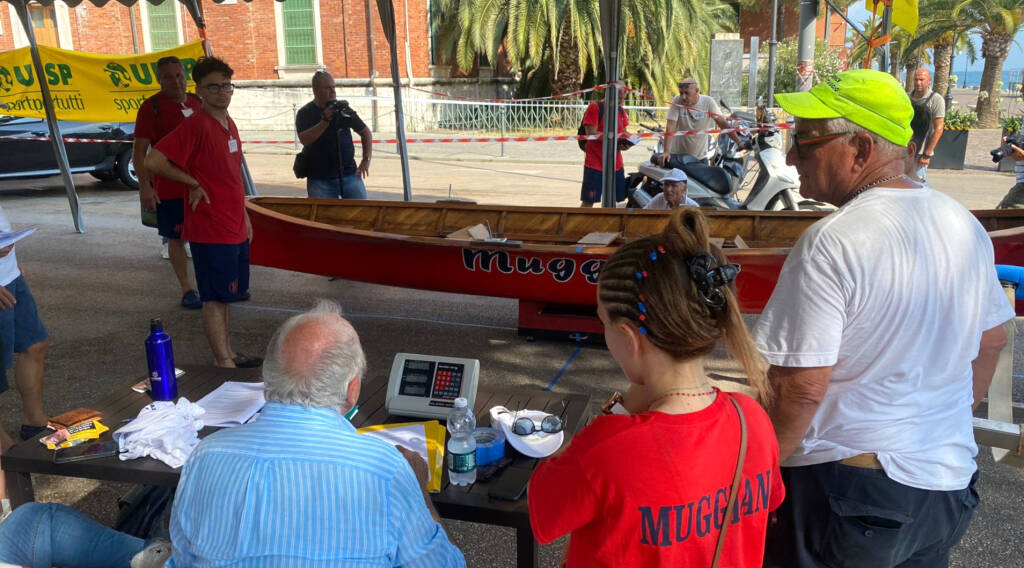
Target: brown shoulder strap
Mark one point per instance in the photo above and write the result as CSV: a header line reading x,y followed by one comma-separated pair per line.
x,y
735,482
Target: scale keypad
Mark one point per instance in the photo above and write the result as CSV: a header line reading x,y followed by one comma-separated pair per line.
x,y
447,381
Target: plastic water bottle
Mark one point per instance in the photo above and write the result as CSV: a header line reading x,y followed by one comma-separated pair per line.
x,y
461,444
160,356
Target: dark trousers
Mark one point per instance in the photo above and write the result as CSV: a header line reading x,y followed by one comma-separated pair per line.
x,y
1014,199
840,516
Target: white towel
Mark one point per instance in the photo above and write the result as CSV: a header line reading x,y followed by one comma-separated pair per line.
x,y
163,430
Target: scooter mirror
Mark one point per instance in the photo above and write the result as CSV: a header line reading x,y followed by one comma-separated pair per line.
x,y
650,114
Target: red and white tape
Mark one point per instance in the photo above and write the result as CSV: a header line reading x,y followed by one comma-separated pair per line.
x,y
452,140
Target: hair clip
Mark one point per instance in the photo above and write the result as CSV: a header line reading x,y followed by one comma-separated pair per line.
x,y
654,253
641,297
642,317
643,330
709,280
640,306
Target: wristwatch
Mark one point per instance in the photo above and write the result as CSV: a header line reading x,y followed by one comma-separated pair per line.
x,y
927,155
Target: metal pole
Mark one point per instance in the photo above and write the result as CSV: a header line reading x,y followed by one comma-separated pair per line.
x,y
372,59
883,60
502,109
387,19
51,118
752,74
805,47
610,36
772,43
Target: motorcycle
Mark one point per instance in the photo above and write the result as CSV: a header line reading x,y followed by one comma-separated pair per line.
x,y
773,185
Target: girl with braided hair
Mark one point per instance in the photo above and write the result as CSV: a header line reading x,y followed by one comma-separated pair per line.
x,y
654,488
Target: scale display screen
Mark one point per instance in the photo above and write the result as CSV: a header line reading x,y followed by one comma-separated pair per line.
x,y
427,385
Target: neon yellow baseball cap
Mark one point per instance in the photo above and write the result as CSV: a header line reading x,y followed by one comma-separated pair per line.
x,y
869,98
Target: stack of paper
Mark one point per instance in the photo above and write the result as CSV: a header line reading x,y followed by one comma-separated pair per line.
x,y
424,438
231,404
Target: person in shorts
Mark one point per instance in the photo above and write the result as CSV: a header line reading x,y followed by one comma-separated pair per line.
x,y
157,117
205,154
593,164
24,343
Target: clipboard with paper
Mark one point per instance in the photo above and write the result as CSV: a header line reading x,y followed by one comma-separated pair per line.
x,y
425,438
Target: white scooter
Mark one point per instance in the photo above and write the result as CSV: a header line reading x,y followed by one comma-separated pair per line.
x,y
775,185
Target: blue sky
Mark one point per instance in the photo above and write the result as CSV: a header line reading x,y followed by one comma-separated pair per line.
x,y
1015,60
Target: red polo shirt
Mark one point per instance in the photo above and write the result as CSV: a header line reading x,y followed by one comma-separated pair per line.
x,y
157,117
213,155
595,148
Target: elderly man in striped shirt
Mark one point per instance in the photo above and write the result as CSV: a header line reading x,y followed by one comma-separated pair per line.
x,y
296,487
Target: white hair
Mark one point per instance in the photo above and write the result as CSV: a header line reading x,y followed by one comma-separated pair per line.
x,y
323,377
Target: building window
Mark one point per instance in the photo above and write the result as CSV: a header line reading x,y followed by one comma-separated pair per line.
x,y
163,26
435,19
298,25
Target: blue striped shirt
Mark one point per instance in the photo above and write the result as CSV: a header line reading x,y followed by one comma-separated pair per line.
x,y
299,487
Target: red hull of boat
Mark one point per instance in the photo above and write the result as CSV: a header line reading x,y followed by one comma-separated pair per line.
x,y
502,271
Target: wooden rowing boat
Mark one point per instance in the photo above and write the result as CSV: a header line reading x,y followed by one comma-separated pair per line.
x,y
399,243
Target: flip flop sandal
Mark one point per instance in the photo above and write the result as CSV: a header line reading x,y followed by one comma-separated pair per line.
x,y
246,362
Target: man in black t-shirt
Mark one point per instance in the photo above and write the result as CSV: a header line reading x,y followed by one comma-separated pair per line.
x,y
325,131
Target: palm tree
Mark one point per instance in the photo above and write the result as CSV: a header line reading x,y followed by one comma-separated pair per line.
x,y
997,22
946,35
546,39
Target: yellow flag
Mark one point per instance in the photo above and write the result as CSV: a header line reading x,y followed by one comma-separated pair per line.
x,y
904,12
87,87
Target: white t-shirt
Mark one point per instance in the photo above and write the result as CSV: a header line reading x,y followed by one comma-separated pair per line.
x,y
695,118
894,289
8,264
659,202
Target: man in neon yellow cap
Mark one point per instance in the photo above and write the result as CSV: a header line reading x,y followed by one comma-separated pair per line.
x,y
882,332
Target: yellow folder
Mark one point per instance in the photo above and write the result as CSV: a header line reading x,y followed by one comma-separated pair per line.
x,y
435,447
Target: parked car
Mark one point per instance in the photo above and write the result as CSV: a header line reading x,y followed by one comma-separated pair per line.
x,y
35,158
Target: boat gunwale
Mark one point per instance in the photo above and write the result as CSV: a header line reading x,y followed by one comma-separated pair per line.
x,y
575,248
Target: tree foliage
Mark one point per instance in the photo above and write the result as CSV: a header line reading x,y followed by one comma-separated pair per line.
x,y
660,42
827,63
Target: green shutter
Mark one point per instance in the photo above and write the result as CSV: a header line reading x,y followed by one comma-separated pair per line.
x,y
163,25
299,35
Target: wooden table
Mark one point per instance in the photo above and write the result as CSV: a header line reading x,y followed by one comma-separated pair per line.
x,y
465,503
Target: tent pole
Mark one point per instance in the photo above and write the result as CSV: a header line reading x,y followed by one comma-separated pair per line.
x,y
51,117
610,140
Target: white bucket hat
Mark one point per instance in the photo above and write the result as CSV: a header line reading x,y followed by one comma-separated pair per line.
x,y
536,445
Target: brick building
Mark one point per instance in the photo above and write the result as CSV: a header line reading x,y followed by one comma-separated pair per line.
x,y
262,39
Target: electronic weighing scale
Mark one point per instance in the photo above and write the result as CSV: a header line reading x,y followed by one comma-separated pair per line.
x,y
426,386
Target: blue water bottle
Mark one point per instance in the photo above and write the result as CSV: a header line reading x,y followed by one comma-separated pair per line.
x,y
160,357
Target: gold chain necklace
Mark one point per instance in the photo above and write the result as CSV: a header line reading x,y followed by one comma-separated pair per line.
x,y
869,186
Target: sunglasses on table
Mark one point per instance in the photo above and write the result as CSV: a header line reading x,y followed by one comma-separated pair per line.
x,y
524,426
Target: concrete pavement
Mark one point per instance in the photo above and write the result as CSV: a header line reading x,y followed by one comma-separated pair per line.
x,y
97,292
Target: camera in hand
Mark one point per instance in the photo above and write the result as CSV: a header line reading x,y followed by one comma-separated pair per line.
x,y
341,108
1005,150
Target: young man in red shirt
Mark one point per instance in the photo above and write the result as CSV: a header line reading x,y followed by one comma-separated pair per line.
x,y
157,117
593,179
205,154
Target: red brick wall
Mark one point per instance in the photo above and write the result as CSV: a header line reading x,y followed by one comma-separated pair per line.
x,y
7,38
758,22
245,35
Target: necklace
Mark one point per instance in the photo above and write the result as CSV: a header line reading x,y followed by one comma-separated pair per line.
x,y
678,392
870,185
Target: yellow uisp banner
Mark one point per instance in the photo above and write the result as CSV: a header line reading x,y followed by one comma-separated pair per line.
x,y
88,87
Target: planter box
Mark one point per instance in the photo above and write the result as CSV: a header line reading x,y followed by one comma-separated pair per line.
x,y
951,150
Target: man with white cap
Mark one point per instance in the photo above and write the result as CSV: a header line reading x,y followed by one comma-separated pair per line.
x,y
882,332
673,192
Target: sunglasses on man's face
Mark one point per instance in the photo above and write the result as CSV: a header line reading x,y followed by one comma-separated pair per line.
x,y
801,143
